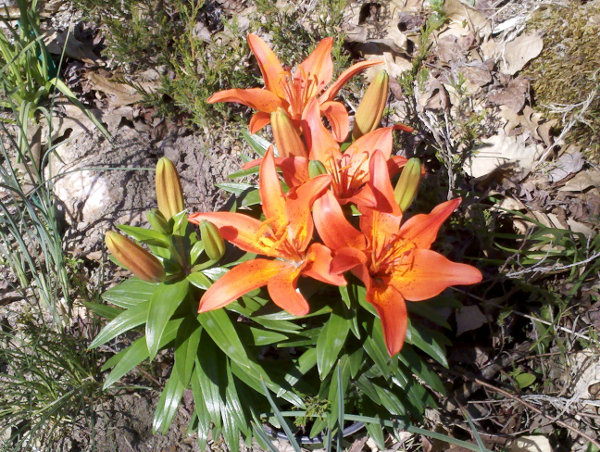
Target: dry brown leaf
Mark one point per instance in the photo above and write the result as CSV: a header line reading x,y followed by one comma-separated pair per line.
x,y
582,181
460,13
477,73
520,51
73,48
502,149
566,165
469,318
531,443
122,94
512,96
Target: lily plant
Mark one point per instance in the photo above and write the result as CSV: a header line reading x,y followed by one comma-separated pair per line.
x,y
292,91
285,235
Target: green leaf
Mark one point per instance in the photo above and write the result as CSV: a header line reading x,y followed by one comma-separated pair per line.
x,y
125,321
419,367
165,300
251,198
144,235
220,328
129,293
256,142
199,280
168,403
245,172
200,409
286,428
336,393
127,359
524,379
236,188
330,342
376,432
210,375
259,337
108,312
374,346
422,338
186,348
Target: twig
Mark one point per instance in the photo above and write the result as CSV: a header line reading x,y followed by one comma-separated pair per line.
x,y
555,267
536,410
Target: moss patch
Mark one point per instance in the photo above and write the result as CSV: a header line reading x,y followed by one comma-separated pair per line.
x,y
566,76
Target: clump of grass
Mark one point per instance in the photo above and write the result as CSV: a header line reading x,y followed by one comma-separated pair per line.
x,y
566,76
50,383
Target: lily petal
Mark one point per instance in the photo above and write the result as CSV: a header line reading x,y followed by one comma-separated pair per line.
x,y
396,163
258,121
430,274
333,228
381,184
298,206
318,266
319,63
392,311
321,144
294,170
348,259
336,114
239,229
271,194
269,64
422,229
240,280
331,92
257,98
282,290
381,139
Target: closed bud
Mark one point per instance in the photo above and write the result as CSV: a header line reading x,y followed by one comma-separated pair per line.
x,y
316,168
287,136
406,188
168,189
134,258
158,222
214,246
370,110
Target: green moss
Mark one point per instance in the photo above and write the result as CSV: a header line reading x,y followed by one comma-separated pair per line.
x,y
567,73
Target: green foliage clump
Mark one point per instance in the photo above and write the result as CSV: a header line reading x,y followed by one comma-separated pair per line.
x,y
566,76
165,35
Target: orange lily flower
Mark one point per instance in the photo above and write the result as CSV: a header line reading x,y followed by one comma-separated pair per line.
x,y
393,260
292,91
285,235
352,171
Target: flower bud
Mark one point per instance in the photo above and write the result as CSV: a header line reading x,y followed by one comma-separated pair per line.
x,y
168,189
158,222
316,168
134,258
287,136
406,188
213,242
370,110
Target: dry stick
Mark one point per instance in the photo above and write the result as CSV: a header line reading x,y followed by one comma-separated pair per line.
x,y
536,410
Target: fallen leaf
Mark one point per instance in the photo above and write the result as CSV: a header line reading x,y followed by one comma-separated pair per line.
x,y
520,51
566,165
502,150
582,181
459,12
121,93
513,95
73,47
469,318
